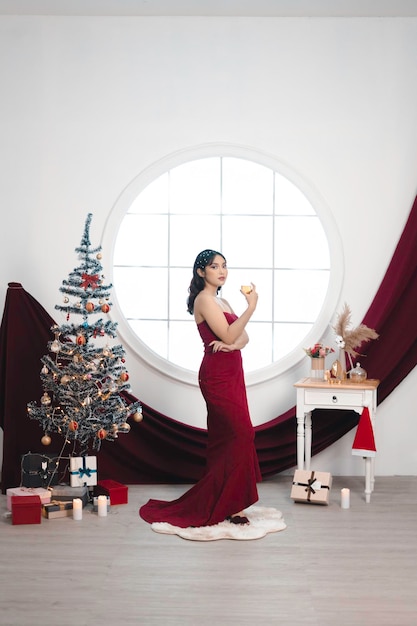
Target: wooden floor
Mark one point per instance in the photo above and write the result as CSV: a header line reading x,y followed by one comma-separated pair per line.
x,y
330,567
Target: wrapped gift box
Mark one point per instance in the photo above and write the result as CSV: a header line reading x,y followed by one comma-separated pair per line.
x,y
26,510
64,493
39,470
116,491
83,470
44,494
56,509
311,486
95,504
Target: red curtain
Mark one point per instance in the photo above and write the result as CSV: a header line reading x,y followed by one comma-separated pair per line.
x,y
393,314
162,450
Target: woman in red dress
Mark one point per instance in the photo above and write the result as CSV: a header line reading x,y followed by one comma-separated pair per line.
x,y
232,470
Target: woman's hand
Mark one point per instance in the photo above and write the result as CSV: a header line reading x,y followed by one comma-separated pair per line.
x,y
251,296
220,346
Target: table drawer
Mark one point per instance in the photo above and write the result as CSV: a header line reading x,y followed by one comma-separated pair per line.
x,y
334,398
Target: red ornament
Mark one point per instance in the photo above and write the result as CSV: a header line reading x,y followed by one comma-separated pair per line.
x,y
89,306
105,308
102,434
80,340
73,425
124,376
89,281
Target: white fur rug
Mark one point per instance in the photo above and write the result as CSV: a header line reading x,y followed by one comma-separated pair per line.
x,y
263,520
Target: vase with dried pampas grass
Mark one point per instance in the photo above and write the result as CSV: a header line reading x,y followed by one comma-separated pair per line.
x,y
349,340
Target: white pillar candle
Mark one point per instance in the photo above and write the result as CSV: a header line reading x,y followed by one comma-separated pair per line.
x,y
345,498
102,506
77,509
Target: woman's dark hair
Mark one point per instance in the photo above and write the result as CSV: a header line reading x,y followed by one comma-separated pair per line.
x,y
197,282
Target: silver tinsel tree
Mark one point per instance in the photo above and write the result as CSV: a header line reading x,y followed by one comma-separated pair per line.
x,y
83,375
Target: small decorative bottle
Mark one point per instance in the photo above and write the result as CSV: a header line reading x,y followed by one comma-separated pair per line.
x,y
358,374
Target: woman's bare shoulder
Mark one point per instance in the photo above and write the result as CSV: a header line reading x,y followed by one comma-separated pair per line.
x,y
201,303
202,299
208,307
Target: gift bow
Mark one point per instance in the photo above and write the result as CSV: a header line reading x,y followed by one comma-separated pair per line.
x,y
309,485
83,471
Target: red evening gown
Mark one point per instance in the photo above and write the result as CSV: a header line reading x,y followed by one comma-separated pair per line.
x,y
229,483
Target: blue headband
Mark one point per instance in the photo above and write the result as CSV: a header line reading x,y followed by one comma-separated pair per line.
x,y
204,257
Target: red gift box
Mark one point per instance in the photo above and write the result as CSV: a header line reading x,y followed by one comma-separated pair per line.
x,y
116,491
26,510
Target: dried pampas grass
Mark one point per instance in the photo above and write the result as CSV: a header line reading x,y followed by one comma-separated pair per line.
x,y
355,337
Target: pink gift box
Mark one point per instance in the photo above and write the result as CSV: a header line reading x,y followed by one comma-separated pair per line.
x,y
311,486
44,494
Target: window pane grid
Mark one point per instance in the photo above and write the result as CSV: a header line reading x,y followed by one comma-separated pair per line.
x,y
250,212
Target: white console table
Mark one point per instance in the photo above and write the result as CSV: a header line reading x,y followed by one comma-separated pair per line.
x,y
317,394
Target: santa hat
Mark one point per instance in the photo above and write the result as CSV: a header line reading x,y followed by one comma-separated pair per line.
x,y
364,442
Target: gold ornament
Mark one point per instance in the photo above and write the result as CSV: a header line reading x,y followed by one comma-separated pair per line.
x,y
46,440
138,417
45,400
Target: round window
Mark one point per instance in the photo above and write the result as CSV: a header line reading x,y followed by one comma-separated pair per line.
x,y
273,231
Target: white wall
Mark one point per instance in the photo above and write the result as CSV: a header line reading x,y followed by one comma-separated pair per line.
x,y
88,103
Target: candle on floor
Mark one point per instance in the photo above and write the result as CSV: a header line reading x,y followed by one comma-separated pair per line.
x,y
345,498
77,509
102,506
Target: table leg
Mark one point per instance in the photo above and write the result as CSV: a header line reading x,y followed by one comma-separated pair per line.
x,y
307,435
368,471
372,473
300,441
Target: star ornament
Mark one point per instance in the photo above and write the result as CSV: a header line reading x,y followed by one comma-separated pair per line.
x,y
90,281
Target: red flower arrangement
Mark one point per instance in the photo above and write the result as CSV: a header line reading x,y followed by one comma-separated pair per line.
x,y
318,351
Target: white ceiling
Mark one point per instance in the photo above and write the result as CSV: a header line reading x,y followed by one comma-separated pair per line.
x,y
261,8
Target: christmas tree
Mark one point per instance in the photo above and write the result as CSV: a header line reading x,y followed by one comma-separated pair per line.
x,y
83,375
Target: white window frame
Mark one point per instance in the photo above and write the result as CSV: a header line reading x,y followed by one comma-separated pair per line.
x,y
148,175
